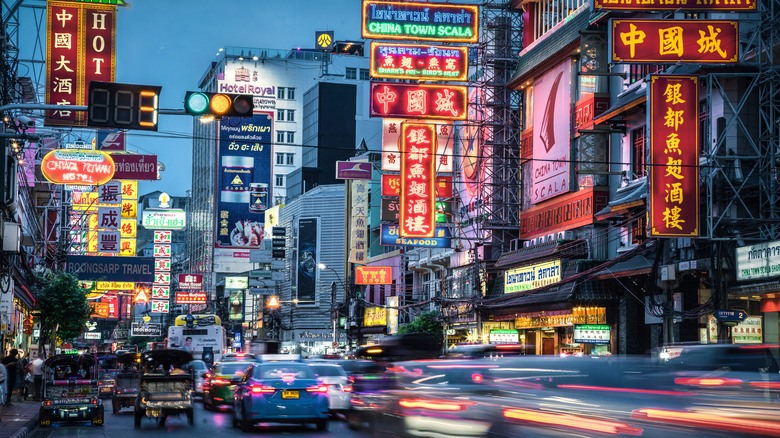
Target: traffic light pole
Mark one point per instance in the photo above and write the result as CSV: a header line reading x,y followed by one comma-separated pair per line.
x,y
47,106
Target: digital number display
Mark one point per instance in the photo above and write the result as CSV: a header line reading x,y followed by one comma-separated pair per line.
x,y
123,106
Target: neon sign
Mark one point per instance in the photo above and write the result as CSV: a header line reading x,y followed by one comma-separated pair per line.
x,y
418,61
418,213
684,5
77,167
418,101
420,21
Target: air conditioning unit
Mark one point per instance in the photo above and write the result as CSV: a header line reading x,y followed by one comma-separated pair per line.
x,y
564,235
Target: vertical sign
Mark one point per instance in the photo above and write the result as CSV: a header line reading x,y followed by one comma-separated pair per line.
x,y
674,156
80,48
418,212
391,155
359,219
307,258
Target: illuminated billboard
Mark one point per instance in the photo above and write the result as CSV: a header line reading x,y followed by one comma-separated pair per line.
x,y
674,156
391,139
672,41
421,101
677,6
390,20
77,167
532,277
389,236
391,186
418,61
373,275
418,177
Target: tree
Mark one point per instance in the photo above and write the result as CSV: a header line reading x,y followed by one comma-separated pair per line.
x,y
64,308
427,322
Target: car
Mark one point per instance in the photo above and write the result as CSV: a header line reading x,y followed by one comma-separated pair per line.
x,y
238,357
219,388
199,371
339,385
280,392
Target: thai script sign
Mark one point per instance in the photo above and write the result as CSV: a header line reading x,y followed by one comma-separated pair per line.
x,y
504,336
353,170
390,237
758,261
422,101
674,156
532,277
77,167
677,5
169,219
748,331
592,334
420,21
418,61
137,167
145,329
373,275
672,41
191,297
100,268
418,142
115,285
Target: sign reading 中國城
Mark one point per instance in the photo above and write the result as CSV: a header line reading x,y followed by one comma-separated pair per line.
x,y
592,334
421,101
190,281
531,277
418,61
681,6
673,41
673,209
420,21
373,275
389,237
164,219
191,297
391,141
418,143
77,167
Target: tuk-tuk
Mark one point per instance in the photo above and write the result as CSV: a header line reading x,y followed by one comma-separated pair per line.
x,y
127,381
165,389
70,390
107,363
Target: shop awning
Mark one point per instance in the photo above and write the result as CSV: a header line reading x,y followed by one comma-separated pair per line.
x,y
636,265
558,248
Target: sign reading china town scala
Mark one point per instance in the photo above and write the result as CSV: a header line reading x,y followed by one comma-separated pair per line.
x,y
390,20
681,5
672,41
77,167
190,281
418,61
418,191
421,101
674,156
373,275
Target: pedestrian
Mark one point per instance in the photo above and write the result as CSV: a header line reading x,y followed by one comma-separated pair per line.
x,y
36,369
3,380
11,365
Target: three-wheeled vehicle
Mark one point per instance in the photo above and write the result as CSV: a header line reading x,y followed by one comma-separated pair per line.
x,y
127,381
165,389
70,390
107,363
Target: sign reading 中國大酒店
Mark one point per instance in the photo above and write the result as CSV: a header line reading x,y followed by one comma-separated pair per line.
x,y
673,209
418,61
532,277
373,275
420,101
672,41
164,219
101,268
418,143
190,281
420,21
77,167
389,237
681,6
761,260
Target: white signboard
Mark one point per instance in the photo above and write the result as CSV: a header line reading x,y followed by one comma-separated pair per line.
x,y
109,218
93,335
168,219
748,331
236,282
758,261
504,336
591,334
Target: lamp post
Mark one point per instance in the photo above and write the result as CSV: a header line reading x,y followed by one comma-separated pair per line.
x,y
333,312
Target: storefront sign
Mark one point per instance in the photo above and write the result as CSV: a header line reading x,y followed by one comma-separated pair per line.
x,y
99,310
674,156
191,297
391,140
115,285
163,236
680,6
391,211
504,336
353,170
672,41
100,268
92,335
532,277
391,186
389,237
161,292
373,275
748,331
161,250
159,306
566,212
421,101
190,281
758,261
236,282
135,167
374,316
77,167
389,20
145,329
165,219
418,61
591,334
418,143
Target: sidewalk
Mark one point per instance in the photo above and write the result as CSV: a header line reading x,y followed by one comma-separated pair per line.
x,y
18,421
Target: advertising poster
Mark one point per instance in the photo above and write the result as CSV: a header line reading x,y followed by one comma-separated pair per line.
x,y
243,180
552,150
236,312
307,258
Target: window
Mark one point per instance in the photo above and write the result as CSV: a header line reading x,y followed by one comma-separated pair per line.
x,y
290,137
280,136
280,114
290,93
290,159
279,158
364,74
279,180
638,153
290,115
639,230
280,92
278,200
351,73
549,13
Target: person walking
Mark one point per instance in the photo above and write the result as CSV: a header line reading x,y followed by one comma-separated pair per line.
x,y
36,369
11,365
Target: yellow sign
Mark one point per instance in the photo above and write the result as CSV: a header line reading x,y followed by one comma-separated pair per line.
x,y
532,277
375,316
129,189
272,217
115,285
127,247
93,295
129,209
129,228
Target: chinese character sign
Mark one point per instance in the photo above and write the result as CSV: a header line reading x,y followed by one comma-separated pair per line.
x,y
680,5
672,41
418,61
418,189
420,21
674,156
359,222
445,102
391,155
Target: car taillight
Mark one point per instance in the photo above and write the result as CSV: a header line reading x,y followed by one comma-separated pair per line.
x,y
262,389
317,388
346,388
207,375
707,381
220,381
477,378
48,403
435,405
118,391
94,401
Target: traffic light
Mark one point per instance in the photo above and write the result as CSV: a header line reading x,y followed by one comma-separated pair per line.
x,y
199,103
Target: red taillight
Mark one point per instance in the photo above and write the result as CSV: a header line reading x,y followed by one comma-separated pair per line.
x,y
572,421
317,388
262,389
477,378
707,381
351,379
346,389
220,381
118,391
435,405
48,402
207,375
770,385
94,401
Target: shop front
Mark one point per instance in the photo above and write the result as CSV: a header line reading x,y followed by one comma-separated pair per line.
x,y
757,293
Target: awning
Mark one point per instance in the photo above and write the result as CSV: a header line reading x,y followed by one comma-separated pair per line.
x,y
622,104
632,195
560,248
636,265
764,287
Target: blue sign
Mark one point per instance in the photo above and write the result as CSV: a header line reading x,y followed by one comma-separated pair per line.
x,y
102,268
730,315
389,237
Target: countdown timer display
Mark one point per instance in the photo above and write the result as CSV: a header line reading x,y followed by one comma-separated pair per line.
x,y
123,106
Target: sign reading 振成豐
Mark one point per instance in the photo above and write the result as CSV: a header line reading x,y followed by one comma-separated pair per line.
x,y
761,260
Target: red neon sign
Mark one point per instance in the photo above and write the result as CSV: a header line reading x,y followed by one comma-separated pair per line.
x,y
418,176
662,5
674,156
443,102
191,297
373,275
391,186
419,61
77,167
393,20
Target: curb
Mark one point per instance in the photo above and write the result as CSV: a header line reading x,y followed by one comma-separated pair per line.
x,y
28,426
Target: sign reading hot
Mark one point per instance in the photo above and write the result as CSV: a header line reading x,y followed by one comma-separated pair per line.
x,y
674,156
418,142
443,102
77,167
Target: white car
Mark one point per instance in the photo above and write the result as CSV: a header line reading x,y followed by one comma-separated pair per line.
x,y
339,385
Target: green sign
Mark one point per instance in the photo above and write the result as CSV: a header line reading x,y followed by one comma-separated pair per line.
x,y
260,273
164,219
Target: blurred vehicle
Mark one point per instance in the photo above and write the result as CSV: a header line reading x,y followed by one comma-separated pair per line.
x,y
278,357
280,392
238,357
219,387
485,350
165,388
70,390
108,367
339,385
127,381
199,371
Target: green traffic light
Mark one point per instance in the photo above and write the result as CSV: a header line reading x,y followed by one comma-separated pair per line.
x,y
196,103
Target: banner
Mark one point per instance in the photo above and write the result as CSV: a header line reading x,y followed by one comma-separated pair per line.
x,y
417,180
674,156
243,165
307,258
105,268
145,329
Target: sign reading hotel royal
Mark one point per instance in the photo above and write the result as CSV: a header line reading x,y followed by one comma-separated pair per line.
x,y
679,5
674,156
391,20
532,277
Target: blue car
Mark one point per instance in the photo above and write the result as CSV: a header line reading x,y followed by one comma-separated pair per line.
x,y
280,392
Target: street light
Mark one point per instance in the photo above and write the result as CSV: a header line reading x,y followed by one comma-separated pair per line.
x,y
333,312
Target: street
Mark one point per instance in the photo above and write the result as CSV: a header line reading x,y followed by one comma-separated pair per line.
x,y
207,424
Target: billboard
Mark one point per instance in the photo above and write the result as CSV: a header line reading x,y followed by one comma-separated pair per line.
x,y
100,268
190,281
307,271
418,61
684,6
390,20
552,150
391,140
243,163
673,41
673,122
236,309
418,189
389,236
421,101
